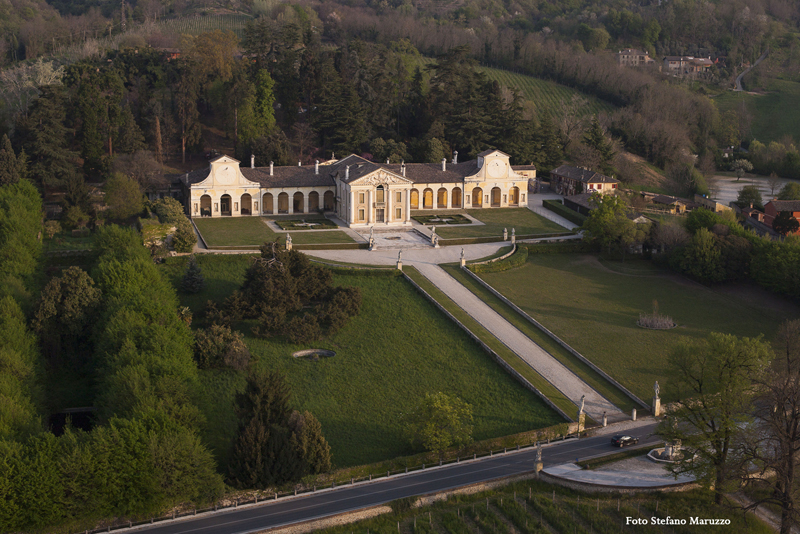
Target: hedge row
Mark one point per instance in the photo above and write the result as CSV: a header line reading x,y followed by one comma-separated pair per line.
x,y
517,259
495,239
557,207
578,246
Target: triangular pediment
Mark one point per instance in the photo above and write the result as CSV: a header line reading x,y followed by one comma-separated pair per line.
x,y
380,177
224,172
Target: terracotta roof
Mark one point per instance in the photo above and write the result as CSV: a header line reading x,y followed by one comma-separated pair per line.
x,y
224,156
491,151
785,205
523,167
583,175
197,176
665,199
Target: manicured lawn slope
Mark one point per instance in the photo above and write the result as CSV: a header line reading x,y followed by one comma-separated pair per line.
x,y
251,231
593,305
398,348
524,220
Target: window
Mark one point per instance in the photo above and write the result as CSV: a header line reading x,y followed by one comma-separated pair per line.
x,y
523,197
235,206
504,199
398,214
216,206
361,198
379,194
398,196
467,199
360,215
195,208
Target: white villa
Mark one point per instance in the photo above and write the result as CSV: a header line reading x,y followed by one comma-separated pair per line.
x,y
359,192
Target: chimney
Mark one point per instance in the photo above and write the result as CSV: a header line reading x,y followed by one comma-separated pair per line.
x,y
252,161
387,161
270,168
347,172
403,168
455,157
299,164
444,164
316,167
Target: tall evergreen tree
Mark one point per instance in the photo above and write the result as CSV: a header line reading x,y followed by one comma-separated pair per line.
x,y
44,137
13,168
193,280
596,139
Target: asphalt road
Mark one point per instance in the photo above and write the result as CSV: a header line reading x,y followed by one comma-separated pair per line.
x,y
348,498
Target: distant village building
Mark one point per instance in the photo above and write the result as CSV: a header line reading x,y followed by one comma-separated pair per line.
x,y
631,57
773,208
567,180
357,191
686,65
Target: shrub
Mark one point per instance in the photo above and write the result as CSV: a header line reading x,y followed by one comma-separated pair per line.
x,y
123,196
303,329
75,218
270,322
557,207
169,210
51,228
184,238
219,346
517,259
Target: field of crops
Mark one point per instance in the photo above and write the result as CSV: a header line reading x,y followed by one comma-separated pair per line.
x,y
544,94
536,508
201,24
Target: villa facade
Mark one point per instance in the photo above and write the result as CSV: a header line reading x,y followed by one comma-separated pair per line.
x,y
357,191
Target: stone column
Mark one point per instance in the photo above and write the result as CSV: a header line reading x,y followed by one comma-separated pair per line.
x,y
408,205
370,218
633,414
449,202
352,207
387,211
291,203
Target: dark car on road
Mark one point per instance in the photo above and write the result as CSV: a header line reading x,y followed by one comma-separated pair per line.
x,y
621,441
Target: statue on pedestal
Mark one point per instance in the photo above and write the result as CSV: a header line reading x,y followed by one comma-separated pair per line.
x,y
399,255
462,253
538,451
656,390
583,403
505,234
288,242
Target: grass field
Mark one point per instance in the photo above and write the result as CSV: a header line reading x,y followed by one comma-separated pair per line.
x,y
593,305
590,376
544,94
250,231
397,349
775,114
522,219
531,507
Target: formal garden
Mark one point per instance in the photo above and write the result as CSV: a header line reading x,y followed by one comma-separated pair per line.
x,y
397,349
251,232
523,220
594,304
534,507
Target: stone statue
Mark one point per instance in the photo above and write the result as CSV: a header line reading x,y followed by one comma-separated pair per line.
x,y
399,255
513,232
538,451
371,232
505,234
583,403
462,253
656,389
288,239
433,229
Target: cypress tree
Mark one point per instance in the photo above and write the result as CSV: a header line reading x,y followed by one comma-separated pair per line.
x,y
193,280
12,167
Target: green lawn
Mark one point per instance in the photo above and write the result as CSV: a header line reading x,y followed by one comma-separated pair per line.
x,y
524,220
589,375
398,348
775,114
251,231
593,305
533,507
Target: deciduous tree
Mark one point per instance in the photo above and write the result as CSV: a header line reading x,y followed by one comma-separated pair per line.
x,y
439,422
713,380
